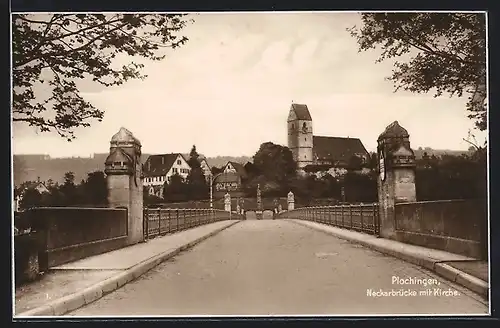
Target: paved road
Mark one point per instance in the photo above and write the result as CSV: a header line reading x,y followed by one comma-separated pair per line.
x,y
279,268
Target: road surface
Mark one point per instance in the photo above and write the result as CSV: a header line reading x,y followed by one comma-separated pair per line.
x,y
277,267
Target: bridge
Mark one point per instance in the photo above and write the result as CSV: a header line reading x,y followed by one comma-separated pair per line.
x,y
394,257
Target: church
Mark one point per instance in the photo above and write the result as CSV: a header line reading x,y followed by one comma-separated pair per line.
x,y
320,153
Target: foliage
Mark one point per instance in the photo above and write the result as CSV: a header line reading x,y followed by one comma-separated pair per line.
x,y
196,182
216,170
176,190
452,177
275,163
360,188
150,199
95,189
31,198
448,53
51,52
355,163
90,192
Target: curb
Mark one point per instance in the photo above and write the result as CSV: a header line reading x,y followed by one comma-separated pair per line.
x,y
90,294
444,270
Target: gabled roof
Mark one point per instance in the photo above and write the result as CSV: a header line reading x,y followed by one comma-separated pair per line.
x,y
337,149
240,169
302,112
159,165
228,177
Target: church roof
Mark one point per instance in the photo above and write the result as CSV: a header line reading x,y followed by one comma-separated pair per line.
x,y
159,165
302,112
337,149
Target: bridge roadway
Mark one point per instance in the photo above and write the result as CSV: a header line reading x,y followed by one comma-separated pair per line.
x,y
277,267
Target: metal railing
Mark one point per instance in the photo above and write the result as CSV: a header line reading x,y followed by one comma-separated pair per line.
x,y
363,218
162,221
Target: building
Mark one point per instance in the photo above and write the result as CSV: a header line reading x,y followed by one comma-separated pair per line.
x,y
159,169
235,167
19,193
230,180
207,171
319,153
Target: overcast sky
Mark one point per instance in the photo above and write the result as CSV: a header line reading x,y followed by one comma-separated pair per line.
x,y
230,88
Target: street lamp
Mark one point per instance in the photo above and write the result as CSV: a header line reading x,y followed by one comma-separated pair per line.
x,y
211,192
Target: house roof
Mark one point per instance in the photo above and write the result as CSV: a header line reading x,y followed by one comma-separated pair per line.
x,y
337,149
159,165
227,177
302,112
240,169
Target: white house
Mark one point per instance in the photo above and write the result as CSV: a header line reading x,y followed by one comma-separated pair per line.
x,y
206,169
159,169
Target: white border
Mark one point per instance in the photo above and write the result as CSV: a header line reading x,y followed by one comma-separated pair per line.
x,y
270,12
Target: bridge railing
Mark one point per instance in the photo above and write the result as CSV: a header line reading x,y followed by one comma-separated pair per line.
x,y
362,218
161,221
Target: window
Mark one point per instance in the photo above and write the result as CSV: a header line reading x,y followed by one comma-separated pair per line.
x,y
293,126
178,162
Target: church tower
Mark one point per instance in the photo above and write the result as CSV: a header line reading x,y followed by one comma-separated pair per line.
x,y
300,135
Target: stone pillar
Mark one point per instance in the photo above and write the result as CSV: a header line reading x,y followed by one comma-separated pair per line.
x,y
291,201
227,202
396,180
123,170
259,199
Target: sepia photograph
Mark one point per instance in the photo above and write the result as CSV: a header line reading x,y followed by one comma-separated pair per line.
x,y
250,164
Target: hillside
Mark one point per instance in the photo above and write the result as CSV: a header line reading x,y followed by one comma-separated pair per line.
x,y
32,167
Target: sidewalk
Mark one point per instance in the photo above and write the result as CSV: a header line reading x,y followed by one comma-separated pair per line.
x,y
70,286
462,270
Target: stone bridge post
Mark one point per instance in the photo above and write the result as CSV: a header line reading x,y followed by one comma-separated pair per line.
x,y
396,179
291,201
123,170
227,202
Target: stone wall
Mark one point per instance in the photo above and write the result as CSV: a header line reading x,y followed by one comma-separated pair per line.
x,y
74,233
457,226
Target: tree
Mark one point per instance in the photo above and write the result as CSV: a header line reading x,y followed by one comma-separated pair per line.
x,y
53,51
197,184
216,170
449,53
276,163
69,189
95,189
31,198
176,190
355,163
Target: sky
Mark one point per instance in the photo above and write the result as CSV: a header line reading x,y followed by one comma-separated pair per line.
x,y
231,86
